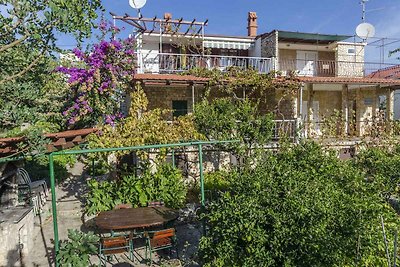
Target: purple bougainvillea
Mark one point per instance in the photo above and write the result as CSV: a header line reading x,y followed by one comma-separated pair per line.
x,y
98,80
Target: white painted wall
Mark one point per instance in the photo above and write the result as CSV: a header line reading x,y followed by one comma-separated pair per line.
x,y
148,50
255,51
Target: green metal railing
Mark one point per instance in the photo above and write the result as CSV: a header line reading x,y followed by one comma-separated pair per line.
x,y
198,144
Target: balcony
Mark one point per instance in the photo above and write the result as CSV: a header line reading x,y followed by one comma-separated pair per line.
x,y
331,68
175,63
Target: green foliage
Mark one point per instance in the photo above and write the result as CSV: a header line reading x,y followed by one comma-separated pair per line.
x,y
298,207
76,251
36,97
234,80
143,127
226,119
165,184
38,167
382,165
218,180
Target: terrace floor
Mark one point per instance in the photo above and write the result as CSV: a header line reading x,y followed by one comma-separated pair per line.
x,y
71,216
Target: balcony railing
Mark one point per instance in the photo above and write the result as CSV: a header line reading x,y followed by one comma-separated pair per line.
x,y
174,63
330,68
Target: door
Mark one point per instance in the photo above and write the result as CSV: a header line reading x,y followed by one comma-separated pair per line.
x,y
306,63
314,123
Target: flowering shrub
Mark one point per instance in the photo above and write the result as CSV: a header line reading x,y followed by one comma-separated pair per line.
x,y
100,81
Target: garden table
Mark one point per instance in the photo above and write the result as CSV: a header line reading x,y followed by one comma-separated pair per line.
x,y
133,218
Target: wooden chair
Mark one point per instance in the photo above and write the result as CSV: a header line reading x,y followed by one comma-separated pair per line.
x,y
159,240
123,206
110,246
156,204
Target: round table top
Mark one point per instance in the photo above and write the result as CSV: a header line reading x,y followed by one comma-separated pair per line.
x,y
124,219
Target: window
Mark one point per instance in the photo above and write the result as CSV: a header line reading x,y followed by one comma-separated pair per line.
x,y
351,51
179,107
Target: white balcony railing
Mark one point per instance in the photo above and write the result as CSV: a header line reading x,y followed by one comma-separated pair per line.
x,y
173,63
154,62
330,68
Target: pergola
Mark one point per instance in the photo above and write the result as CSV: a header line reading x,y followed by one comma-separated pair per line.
x,y
170,147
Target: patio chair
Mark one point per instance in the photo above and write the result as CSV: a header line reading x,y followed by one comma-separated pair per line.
x,y
123,206
34,186
156,204
159,240
111,246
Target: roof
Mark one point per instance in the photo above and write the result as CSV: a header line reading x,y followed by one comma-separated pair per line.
x,y
182,34
392,72
61,140
311,38
169,78
349,80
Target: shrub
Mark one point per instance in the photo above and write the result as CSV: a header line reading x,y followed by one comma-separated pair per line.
x,y
38,167
383,166
77,250
227,119
165,184
298,207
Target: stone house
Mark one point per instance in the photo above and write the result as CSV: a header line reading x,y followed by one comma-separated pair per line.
x,y
336,83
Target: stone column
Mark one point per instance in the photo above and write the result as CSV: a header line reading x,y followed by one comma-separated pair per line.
x,y
345,109
310,107
389,109
375,102
359,117
389,104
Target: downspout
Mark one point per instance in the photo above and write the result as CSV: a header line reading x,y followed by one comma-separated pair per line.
x,y
193,98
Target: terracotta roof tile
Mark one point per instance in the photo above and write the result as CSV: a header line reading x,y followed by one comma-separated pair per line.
x,y
9,145
348,80
387,73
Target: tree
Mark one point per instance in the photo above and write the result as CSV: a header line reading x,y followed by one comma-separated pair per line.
x,y
300,206
234,119
99,82
34,24
37,96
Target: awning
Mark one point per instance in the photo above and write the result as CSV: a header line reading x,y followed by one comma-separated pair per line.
x,y
301,37
227,44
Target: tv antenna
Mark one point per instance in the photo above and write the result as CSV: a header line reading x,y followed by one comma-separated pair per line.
x,y
364,11
365,30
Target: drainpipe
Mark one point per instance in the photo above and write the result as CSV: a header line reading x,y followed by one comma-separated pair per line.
x,y
193,98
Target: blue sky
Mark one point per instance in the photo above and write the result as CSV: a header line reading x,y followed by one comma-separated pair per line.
x,y
230,16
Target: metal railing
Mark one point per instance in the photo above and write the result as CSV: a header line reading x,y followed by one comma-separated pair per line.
x,y
331,68
175,63
284,129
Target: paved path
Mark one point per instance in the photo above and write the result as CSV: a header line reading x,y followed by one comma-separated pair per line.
x,y
70,209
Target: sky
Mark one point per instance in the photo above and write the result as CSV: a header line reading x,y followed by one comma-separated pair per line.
x,y
318,16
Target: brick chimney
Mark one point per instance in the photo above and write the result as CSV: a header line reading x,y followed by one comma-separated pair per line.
x,y
167,16
252,24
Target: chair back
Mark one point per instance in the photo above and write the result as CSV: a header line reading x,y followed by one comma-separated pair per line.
x,y
122,206
163,238
114,245
24,175
170,232
156,204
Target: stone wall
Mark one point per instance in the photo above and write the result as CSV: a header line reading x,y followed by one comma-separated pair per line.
x,y
16,240
269,45
350,64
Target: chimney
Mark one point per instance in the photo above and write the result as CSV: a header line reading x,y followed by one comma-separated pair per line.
x,y
252,24
167,17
